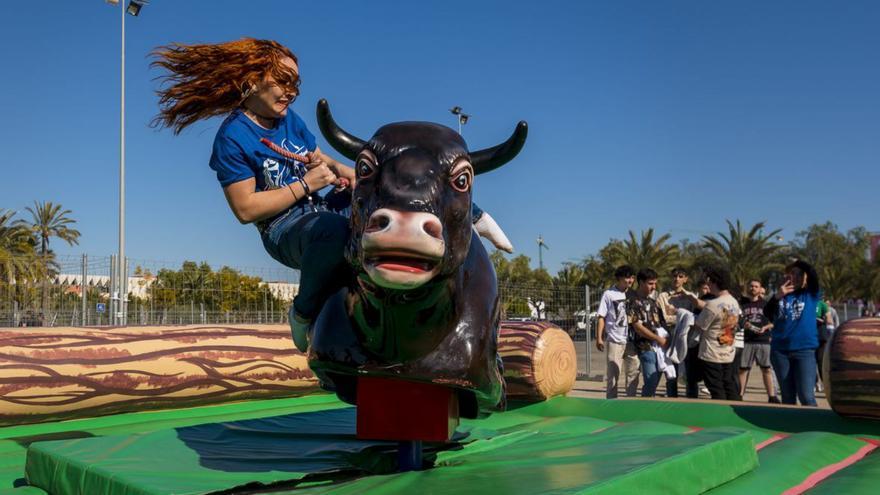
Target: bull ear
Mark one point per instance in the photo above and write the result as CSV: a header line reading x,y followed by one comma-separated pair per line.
x,y
346,144
496,156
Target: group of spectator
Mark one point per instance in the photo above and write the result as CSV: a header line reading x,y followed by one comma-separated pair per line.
x,y
711,336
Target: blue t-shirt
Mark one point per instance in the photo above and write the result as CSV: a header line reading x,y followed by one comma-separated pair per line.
x,y
239,155
794,327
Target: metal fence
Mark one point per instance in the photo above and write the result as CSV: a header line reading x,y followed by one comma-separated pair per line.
x,y
572,309
80,291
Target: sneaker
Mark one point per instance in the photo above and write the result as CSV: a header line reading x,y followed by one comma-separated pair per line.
x,y
704,390
774,400
299,328
487,228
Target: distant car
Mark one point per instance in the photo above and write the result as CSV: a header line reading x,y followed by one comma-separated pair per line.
x,y
583,323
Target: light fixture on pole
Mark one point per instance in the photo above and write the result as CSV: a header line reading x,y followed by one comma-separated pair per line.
x,y
135,6
462,117
541,246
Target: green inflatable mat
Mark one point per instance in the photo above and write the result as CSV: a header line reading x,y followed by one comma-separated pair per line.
x,y
23,490
558,455
789,462
14,440
861,477
482,441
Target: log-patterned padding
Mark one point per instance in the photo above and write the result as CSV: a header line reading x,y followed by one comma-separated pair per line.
x,y
852,368
539,360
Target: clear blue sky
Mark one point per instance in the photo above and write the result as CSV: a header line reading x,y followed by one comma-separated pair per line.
x,y
675,115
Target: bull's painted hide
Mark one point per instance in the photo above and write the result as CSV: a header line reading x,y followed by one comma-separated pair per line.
x,y
422,300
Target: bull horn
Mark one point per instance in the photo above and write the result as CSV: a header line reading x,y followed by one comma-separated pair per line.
x,y
491,158
346,144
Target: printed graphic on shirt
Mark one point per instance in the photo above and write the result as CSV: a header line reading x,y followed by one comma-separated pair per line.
x,y
620,313
792,308
753,312
277,171
753,320
729,320
645,311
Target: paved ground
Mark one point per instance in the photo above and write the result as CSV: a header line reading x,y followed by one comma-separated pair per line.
x,y
591,380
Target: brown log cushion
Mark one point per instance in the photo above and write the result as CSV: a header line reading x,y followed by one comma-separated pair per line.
x,y
852,369
49,374
539,360
57,373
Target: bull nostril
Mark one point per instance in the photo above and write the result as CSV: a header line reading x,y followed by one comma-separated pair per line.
x,y
433,228
378,222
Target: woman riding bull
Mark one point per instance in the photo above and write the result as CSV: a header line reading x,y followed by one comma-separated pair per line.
x,y
268,162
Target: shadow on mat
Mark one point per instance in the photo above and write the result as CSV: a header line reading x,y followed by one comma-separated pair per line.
x,y
314,442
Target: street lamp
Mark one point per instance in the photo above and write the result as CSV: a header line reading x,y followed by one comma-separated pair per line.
x,y
462,117
541,246
121,296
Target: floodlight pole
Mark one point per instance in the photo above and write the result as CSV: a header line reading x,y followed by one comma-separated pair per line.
x,y
121,289
461,116
541,247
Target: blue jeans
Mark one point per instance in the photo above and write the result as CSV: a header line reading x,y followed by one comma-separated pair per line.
x,y
314,243
650,373
796,373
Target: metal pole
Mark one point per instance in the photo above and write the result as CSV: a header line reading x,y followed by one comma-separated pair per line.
x,y
83,288
123,300
114,292
409,455
121,258
589,332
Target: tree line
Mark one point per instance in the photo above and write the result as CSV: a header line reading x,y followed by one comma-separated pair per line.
x,y
28,264
198,285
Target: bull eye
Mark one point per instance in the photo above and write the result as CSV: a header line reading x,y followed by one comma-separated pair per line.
x,y
364,169
462,181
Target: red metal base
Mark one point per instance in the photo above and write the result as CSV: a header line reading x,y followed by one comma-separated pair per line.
x,y
389,409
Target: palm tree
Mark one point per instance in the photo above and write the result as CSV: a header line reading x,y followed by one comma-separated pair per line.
x,y
747,254
50,220
16,247
571,275
645,252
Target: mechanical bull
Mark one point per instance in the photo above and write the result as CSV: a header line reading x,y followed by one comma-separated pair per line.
x,y
422,304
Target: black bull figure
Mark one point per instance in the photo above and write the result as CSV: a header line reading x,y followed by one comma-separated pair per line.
x,y
422,303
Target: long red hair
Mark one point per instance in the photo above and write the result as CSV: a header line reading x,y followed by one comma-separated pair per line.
x,y
213,79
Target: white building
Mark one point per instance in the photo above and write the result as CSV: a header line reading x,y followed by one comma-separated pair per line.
x,y
282,290
139,286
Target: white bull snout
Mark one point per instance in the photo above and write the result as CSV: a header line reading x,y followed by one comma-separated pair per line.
x,y
402,249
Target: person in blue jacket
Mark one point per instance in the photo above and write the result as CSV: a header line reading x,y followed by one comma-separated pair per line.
x,y
793,340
